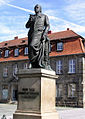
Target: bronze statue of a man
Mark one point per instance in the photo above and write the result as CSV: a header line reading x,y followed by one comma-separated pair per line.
x,y
38,42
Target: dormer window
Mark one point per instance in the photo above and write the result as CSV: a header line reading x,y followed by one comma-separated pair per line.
x,y
26,51
16,52
59,46
6,44
6,53
0,54
23,41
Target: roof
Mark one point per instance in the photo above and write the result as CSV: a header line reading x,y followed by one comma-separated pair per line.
x,y
52,36
15,42
13,58
72,45
63,35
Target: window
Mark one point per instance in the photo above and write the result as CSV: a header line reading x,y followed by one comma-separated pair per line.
x,y
5,92
15,69
59,90
72,66
16,52
59,46
15,94
59,67
0,54
6,53
71,90
25,65
26,51
50,47
5,72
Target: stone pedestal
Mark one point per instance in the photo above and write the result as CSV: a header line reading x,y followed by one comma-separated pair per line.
x,y
36,95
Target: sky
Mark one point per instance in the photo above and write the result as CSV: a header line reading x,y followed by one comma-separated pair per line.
x,y
62,14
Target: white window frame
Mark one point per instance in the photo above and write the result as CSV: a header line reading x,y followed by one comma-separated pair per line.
x,y
59,89
59,46
59,67
26,51
16,52
15,69
6,53
5,72
72,66
72,90
25,65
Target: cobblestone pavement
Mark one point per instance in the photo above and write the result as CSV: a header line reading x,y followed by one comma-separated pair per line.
x,y
77,113
8,110
65,113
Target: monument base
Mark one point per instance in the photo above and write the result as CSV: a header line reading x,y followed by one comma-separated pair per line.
x,y
53,115
36,94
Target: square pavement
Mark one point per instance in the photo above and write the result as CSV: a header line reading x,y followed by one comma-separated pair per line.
x,y
64,112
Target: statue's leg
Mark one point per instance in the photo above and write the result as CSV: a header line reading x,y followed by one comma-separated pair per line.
x,y
41,61
46,53
46,57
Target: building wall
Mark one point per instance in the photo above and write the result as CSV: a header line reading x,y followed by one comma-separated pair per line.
x,y
10,82
65,78
83,82
70,78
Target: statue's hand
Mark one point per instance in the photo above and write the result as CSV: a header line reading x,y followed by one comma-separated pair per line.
x,y
31,17
43,37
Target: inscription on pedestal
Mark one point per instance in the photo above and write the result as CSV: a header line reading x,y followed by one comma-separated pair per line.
x,y
28,93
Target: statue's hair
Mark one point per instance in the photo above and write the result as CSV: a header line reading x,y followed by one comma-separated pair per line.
x,y
39,6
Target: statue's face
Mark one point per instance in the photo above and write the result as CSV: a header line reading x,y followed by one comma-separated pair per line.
x,y
37,9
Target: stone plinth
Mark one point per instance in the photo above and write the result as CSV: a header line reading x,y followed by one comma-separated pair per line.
x,y
36,94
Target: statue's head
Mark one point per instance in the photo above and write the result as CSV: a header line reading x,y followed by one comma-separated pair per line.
x,y
37,8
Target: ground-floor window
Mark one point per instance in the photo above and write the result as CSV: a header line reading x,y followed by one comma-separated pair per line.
x,y
5,92
59,90
15,95
71,90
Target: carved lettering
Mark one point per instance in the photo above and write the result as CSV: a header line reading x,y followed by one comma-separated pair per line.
x,y
24,89
28,93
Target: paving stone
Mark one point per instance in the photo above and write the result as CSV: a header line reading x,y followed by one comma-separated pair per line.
x,y
64,112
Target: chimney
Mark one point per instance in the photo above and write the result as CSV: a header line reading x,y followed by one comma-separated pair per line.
x,y
49,32
16,37
67,29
